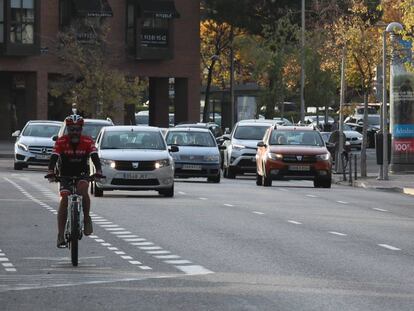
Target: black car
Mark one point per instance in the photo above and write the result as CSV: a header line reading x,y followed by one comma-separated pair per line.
x,y
213,127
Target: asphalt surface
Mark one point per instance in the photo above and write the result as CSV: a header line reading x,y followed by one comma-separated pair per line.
x,y
227,246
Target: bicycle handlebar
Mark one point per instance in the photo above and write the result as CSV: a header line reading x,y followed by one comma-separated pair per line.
x,y
76,178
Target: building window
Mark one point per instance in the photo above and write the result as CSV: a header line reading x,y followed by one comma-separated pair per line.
x,y
1,21
154,32
22,21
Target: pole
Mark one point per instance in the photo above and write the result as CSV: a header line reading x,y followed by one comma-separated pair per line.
x,y
341,113
302,71
232,104
384,108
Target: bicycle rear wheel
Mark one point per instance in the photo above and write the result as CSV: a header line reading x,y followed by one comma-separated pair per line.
x,y
74,237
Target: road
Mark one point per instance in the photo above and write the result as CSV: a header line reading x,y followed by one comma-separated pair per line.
x,y
227,246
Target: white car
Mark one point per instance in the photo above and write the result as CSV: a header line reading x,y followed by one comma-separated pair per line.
x,y
134,158
355,139
34,144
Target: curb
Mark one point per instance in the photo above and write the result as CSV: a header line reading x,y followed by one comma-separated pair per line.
x,y
358,184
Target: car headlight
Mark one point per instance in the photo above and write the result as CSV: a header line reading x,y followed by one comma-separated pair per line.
x,y
106,162
22,147
323,157
275,156
162,163
238,147
212,158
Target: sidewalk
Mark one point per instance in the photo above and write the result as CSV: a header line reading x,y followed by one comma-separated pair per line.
x,y
402,183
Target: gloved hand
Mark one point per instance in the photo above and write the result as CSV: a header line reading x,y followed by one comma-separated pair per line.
x,y
51,176
98,175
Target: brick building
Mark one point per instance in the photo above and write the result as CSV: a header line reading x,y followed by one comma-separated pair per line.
x,y
155,39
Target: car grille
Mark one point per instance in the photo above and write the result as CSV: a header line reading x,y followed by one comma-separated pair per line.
x,y
40,149
128,165
299,158
135,182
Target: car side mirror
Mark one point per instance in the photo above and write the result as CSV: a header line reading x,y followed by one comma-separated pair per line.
x,y
16,133
261,144
54,138
329,145
173,148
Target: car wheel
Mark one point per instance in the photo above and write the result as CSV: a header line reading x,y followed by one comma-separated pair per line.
x,y
169,193
267,181
98,192
259,179
214,179
18,166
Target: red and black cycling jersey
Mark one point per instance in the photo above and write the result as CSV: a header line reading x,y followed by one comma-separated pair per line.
x,y
73,158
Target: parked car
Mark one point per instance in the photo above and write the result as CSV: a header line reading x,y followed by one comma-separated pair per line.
x,y
142,118
293,153
34,144
91,127
356,123
213,127
239,155
134,158
315,119
199,155
282,121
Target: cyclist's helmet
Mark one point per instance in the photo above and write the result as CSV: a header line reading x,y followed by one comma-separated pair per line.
x,y
74,119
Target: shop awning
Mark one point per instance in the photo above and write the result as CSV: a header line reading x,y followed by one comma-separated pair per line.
x,y
158,9
92,8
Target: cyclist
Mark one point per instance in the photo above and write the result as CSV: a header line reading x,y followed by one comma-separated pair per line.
x,y
72,151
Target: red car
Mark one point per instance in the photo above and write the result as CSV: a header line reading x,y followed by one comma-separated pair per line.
x,y
293,152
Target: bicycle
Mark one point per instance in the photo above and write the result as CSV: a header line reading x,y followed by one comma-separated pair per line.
x,y
74,222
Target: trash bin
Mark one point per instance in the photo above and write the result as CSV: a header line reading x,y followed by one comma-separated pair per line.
x,y
379,148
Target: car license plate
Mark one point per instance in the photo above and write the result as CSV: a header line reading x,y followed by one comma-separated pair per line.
x,y
135,176
192,167
299,168
42,157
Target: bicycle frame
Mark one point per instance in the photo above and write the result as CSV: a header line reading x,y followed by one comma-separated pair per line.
x,y
74,206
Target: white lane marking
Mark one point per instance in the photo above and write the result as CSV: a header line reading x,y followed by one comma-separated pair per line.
x,y
10,269
311,196
7,264
102,222
284,190
380,209
194,270
258,213
93,236
127,236
183,193
145,268
135,240
114,229
2,254
4,259
390,247
144,243
119,252
167,257
108,226
203,199
106,244
229,205
127,257
135,262
100,240
341,202
158,252
337,233
121,232
177,262
147,248
294,222
112,248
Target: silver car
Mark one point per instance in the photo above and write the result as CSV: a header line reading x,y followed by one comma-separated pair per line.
x,y
134,158
34,144
199,155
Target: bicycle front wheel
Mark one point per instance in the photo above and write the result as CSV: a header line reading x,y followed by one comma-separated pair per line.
x,y
74,237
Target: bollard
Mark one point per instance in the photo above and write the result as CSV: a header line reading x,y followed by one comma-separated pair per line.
x,y
350,168
356,167
343,166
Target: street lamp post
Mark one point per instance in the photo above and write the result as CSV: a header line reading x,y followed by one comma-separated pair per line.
x,y
302,72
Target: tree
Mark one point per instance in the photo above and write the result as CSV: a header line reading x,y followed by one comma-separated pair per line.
x,y
89,80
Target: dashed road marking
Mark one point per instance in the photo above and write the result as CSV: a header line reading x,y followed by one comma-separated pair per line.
x,y
194,270
294,222
341,202
379,209
390,247
228,205
167,256
182,193
203,199
311,196
258,213
337,233
5,262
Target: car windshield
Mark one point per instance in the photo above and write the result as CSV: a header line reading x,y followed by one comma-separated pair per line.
x,y
41,130
297,137
250,132
133,140
91,130
190,138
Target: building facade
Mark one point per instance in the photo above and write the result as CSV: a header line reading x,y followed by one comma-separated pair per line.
x,y
153,39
